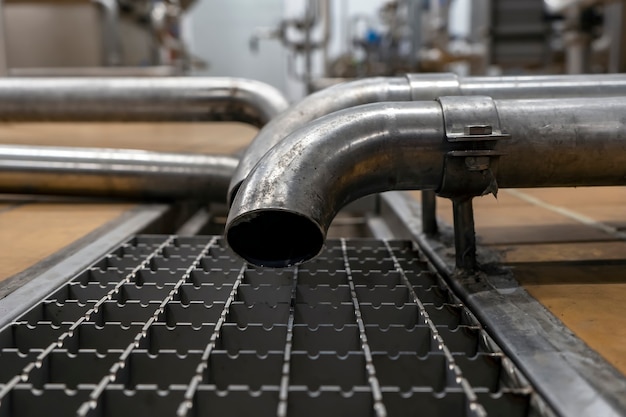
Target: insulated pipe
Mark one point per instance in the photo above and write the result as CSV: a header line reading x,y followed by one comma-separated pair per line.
x,y
282,212
419,87
114,173
139,99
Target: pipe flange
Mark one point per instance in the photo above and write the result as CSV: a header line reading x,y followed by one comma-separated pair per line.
x,y
472,130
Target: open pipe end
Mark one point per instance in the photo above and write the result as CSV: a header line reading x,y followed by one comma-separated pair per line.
x,y
275,238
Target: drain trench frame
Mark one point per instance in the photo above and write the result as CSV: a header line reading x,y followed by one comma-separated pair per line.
x,y
577,382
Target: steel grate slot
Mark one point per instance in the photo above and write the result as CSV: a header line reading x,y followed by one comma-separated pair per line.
x,y
71,369
180,326
330,400
182,338
25,337
407,370
25,400
453,402
244,368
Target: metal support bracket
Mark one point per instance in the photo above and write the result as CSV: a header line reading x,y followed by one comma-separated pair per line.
x,y
464,234
472,130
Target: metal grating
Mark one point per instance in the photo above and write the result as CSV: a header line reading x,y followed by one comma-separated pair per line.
x,y
167,325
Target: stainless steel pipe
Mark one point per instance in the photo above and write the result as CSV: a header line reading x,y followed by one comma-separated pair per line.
x,y
419,87
282,212
321,103
536,86
114,173
139,99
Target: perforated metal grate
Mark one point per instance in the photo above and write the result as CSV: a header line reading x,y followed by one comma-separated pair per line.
x,y
166,325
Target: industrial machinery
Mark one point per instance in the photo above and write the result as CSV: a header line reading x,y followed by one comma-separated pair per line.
x,y
498,37
250,308
118,37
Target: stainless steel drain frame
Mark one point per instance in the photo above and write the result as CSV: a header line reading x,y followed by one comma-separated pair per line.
x,y
573,378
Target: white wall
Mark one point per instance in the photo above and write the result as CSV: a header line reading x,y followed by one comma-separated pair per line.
x,y
221,30
460,11
220,33
341,12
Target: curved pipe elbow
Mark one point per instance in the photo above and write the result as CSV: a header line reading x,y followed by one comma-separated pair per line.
x,y
321,103
416,87
282,212
262,101
139,99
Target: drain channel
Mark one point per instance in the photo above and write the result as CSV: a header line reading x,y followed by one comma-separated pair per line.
x,y
180,326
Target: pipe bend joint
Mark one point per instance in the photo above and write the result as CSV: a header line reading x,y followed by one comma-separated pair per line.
x,y
282,211
139,99
319,104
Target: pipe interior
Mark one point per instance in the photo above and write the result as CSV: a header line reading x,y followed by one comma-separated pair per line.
x,y
275,238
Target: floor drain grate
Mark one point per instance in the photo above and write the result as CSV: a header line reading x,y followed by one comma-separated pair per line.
x,y
165,325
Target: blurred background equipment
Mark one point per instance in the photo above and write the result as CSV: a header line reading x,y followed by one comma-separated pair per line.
x,y
95,37
328,42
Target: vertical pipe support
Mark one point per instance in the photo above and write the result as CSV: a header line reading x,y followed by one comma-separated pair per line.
x,y
473,131
429,213
464,234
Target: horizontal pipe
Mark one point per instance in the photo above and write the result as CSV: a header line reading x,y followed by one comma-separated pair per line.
x,y
563,142
115,173
419,87
282,212
139,99
544,86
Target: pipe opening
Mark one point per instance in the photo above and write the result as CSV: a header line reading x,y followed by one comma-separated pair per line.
x,y
275,238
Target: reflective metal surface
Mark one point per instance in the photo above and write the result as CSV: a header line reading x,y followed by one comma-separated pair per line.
x,y
139,99
114,173
562,142
420,87
316,105
545,86
282,211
